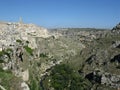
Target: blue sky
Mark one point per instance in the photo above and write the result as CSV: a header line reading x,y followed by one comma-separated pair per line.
x,y
62,13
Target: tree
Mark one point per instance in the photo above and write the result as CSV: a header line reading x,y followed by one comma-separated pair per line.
x,y
64,78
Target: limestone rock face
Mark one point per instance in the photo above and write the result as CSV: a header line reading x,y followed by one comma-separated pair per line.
x,y
111,79
116,29
116,44
24,86
25,75
10,32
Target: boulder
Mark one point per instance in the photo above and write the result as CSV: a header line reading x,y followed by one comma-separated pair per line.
x,y
24,86
116,44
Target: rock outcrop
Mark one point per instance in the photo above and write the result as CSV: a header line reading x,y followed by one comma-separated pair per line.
x,y
24,86
10,32
25,75
111,80
116,29
30,52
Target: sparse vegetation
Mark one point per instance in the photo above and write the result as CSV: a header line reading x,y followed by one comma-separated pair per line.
x,y
5,52
64,78
74,59
29,50
19,41
9,50
43,55
27,42
5,78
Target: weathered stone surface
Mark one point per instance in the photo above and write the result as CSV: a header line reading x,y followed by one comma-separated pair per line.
x,y
111,80
116,29
116,44
10,32
25,75
24,86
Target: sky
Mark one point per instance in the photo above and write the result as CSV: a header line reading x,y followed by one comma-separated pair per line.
x,y
62,13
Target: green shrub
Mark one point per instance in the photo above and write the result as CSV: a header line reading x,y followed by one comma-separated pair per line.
x,y
27,42
19,41
43,55
9,50
29,50
1,53
1,61
64,78
118,67
6,77
5,52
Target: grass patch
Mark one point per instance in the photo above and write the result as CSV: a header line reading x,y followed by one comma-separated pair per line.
x,y
5,77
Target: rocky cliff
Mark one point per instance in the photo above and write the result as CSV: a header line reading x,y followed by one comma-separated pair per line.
x,y
10,32
30,56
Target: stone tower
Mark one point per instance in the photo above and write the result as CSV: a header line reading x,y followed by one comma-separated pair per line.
x,y
20,20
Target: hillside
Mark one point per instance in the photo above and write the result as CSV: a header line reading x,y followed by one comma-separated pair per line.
x,y
33,58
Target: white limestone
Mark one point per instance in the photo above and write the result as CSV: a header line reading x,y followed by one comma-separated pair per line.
x,y
24,86
10,32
